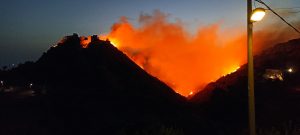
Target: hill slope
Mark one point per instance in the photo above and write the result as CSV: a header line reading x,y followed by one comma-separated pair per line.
x,y
277,101
96,90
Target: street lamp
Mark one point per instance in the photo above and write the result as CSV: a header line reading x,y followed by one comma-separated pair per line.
x,y
252,16
290,70
258,14
30,85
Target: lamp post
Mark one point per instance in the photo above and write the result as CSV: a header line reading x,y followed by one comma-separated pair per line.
x,y
251,102
252,16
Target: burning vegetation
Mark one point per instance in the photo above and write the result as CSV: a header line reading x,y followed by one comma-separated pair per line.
x,y
184,61
166,50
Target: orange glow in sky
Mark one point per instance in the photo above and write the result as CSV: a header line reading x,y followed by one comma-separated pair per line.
x,y
167,51
186,62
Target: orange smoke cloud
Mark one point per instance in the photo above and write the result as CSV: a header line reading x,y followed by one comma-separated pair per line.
x,y
184,61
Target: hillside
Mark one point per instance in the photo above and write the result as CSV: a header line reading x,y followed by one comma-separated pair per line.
x,y
94,89
277,90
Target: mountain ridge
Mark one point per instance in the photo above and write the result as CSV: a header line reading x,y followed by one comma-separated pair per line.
x,y
97,89
276,72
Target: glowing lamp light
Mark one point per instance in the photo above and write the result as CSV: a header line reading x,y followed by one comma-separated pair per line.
x,y
258,14
290,70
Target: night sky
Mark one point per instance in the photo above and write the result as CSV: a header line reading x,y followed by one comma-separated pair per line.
x,y
30,27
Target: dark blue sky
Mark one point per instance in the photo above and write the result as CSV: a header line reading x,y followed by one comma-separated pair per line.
x,y
30,27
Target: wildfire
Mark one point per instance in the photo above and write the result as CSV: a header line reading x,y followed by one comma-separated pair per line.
x,y
184,61
231,70
84,41
113,41
166,50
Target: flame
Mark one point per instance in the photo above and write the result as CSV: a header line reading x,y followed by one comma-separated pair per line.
x,y
231,70
84,41
186,62
114,41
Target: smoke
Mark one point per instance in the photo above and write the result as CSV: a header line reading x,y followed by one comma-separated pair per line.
x,y
275,30
185,61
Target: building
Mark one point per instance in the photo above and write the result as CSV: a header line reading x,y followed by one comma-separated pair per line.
x,y
273,74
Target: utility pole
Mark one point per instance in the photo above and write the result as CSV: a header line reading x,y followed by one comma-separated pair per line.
x,y
251,98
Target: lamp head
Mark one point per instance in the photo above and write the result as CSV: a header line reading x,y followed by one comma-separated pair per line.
x,y
257,14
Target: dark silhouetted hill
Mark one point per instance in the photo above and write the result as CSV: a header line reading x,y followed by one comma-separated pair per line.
x,y
277,101
92,90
